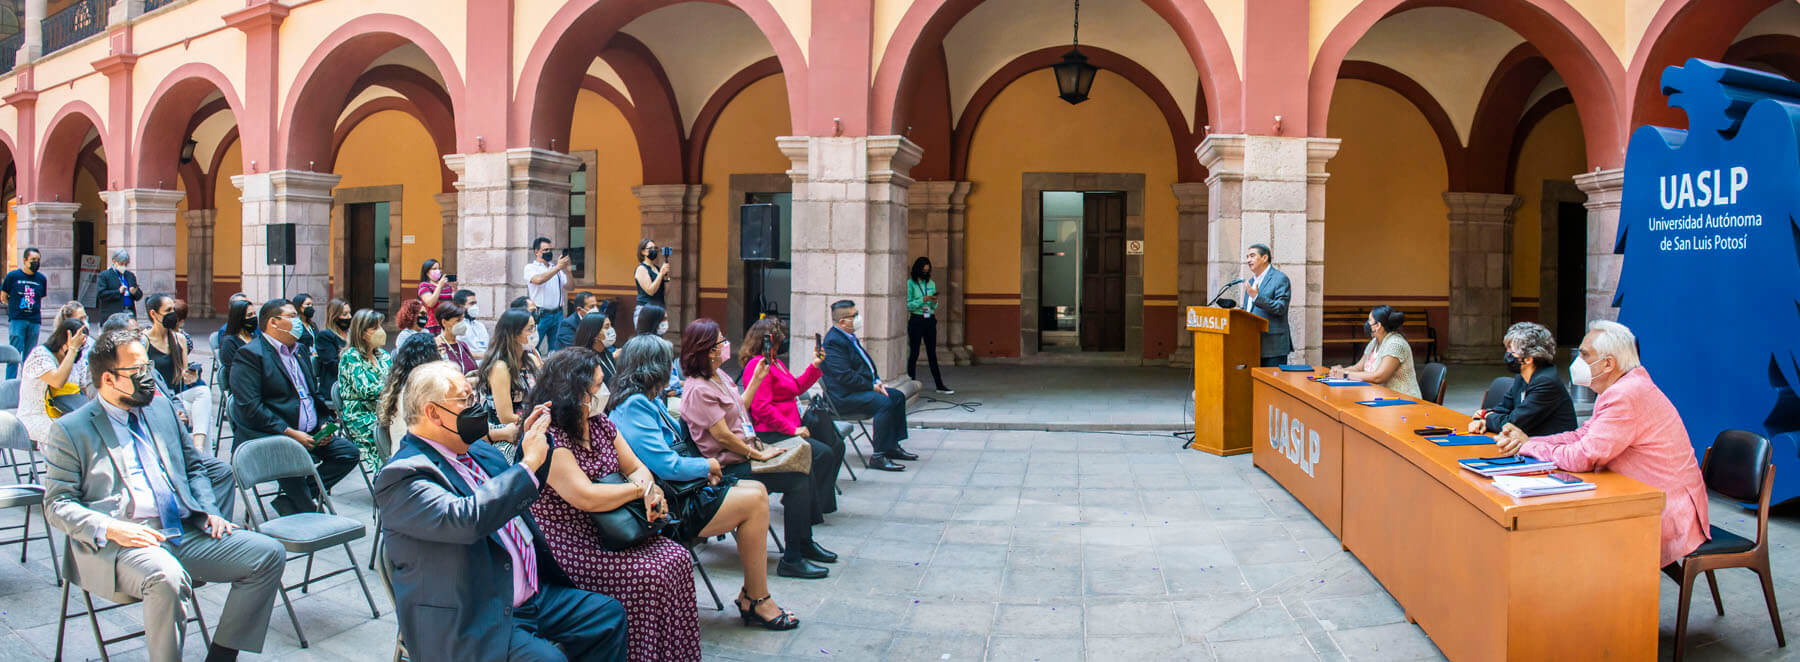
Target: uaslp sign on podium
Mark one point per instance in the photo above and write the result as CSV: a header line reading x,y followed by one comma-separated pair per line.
x,y
1227,344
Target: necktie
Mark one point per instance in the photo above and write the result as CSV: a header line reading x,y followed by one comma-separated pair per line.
x,y
513,531
167,509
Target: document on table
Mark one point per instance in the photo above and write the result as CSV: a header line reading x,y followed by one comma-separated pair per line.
x,y
1530,486
1341,382
1389,402
1462,440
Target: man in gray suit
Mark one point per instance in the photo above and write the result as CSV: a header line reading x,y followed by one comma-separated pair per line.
x,y
473,578
218,471
126,485
1266,293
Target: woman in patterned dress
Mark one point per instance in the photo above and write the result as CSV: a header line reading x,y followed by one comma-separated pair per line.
x,y
362,371
654,580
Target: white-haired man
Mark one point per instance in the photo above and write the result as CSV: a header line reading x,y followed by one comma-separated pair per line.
x,y
472,579
1634,431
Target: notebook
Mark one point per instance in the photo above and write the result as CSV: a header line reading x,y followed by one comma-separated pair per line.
x,y
1385,402
1517,464
1340,382
1462,440
1530,486
1289,367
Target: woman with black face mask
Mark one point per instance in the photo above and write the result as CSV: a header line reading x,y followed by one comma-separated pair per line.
x,y
1538,402
167,345
329,341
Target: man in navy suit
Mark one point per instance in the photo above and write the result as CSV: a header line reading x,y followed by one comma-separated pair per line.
x,y
855,387
473,578
1266,294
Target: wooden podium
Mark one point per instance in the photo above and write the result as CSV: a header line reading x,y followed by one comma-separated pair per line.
x,y
1227,344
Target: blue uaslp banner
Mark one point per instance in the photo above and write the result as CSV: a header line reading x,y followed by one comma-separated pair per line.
x,y
1711,275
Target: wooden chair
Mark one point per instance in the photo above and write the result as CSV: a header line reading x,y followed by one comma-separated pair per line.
x,y
1736,467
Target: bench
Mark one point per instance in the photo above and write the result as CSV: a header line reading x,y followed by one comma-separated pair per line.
x,y
1344,335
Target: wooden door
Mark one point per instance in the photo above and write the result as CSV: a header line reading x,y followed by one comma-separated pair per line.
x,y
359,256
1103,272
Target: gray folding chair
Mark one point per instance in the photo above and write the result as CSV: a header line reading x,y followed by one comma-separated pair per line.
x,y
850,426
383,449
14,440
118,600
22,468
10,355
9,394
269,459
387,580
221,408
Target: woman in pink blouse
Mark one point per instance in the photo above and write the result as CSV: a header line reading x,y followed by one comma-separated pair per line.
x,y
1635,431
434,288
774,402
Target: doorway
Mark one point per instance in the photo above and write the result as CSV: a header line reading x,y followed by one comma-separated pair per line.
x,y
768,285
1081,271
1571,269
366,259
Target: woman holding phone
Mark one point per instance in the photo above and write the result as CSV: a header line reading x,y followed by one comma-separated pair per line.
x,y
650,277
434,287
49,373
772,393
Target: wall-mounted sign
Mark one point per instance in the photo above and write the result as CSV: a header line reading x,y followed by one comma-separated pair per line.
x,y
1711,275
1134,247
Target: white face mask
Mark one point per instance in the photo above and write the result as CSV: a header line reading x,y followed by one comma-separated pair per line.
x,y
460,329
856,325
612,336
663,328
474,312
531,339
1579,372
597,401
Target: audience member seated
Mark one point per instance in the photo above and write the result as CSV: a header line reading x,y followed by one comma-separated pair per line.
x,y
274,392
526,303
329,342
452,347
476,333
1388,360
48,373
1538,404
417,351
168,346
239,330
219,471
306,332
409,320
580,305
652,316
596,333
362,372
509,371
473,579
774,394
720,427
1635,431
854,385
149,529
723,504
654,579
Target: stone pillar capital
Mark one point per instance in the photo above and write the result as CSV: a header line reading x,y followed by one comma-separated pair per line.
x,y
1222,154
1604,188
667,198
938,196
1478,206
540,169
1190,197
891,159
145,198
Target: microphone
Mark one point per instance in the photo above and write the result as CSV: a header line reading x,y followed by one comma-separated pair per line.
x,y
1216,301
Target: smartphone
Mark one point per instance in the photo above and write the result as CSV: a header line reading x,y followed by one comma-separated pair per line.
x,y
769,347
818,345
451,278
1565,477
565,252
1433,431
1504,459
668,250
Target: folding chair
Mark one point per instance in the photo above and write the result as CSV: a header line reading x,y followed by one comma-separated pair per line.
x,y
22,469
387,580
29,495
222,402
118,600
303,534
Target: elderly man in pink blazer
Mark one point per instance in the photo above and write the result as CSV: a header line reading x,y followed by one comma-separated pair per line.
x,y
1634,431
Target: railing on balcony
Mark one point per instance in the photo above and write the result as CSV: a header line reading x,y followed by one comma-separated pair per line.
x,y
153,5
9,51
83,19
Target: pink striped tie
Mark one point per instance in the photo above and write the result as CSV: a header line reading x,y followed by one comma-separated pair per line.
x,y
512,530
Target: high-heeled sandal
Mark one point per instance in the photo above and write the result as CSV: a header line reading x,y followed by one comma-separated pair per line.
x,y
786,621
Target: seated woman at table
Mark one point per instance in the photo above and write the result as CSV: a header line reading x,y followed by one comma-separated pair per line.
x,y
1388,360
1635,431
1538,404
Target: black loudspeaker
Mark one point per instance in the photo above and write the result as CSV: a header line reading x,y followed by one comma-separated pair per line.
x,y
281,244
760,237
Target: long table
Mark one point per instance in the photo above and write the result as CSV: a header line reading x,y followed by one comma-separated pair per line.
x,y
1487,576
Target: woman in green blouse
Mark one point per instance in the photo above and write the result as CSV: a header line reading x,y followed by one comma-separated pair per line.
x,y
921,322
362,371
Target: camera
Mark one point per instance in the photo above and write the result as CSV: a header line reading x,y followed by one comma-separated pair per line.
x,y
667,251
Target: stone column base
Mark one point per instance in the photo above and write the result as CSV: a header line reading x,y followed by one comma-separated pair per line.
x,y
200,225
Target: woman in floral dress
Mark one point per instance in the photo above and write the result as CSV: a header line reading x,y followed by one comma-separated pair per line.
x,y
362,371
654,580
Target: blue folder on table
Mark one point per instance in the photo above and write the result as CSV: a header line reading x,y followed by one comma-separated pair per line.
x,y
1462,440
1289,367
1385,403
1341,382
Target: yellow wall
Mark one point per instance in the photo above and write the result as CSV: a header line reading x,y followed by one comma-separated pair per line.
x,y
1027,129
390,148
228,226
1386,227
1553,151
742,143
600,126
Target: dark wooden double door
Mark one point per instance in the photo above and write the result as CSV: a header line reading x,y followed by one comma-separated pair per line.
x,y
1103,272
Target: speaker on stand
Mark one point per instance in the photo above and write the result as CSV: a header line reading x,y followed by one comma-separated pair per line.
x,y
281,250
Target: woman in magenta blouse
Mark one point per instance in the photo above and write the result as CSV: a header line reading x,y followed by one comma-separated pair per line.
x,y
774,404
434,288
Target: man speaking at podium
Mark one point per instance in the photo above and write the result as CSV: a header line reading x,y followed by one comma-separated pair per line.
x,y
1266,295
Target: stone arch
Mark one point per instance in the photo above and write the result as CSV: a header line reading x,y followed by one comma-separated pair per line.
x,y
715,106
308,119
1496,128
654,113
1780,52
1571,44
544,101
61,149
421,97
1455,155
175,110
1681,29
927,21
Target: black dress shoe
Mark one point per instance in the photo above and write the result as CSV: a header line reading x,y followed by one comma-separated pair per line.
x,y
880,462
900,454
802,569
819,554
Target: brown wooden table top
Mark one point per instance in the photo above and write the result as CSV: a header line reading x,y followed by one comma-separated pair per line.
x,y
1615,496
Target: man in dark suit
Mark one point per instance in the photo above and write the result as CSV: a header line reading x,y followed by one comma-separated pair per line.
x,y
473,578
274,392
581,306
855,387
116,289
1266,293
128,488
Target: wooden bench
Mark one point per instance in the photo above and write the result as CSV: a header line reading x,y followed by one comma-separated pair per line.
x,y
1344,335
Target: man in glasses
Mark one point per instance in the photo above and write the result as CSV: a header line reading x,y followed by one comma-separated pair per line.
x,y
132,494
275,393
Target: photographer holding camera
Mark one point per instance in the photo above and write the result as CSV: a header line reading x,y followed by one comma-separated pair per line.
x,y
651,278
547,281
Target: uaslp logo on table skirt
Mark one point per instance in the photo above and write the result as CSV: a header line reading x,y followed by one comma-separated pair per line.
x,y
1289,436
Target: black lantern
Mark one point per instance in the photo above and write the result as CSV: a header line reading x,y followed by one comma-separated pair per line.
x,y
187,150
1074,76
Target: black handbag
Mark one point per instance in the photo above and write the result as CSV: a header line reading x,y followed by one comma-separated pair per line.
x,y
624,527
683,446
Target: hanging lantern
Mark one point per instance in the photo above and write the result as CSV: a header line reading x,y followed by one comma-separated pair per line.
x,y
1074,76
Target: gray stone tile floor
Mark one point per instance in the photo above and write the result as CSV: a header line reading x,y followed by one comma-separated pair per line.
x,y
1011,545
